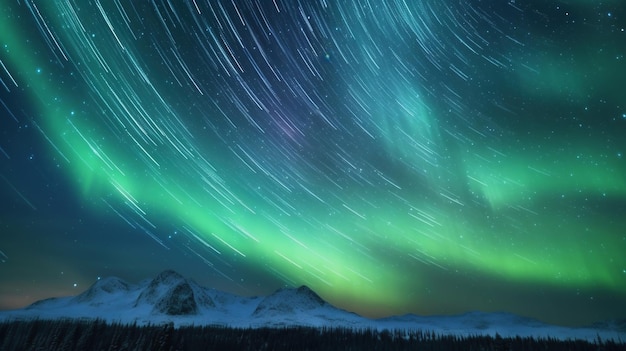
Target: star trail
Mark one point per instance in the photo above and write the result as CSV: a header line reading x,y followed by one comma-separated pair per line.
x,y
395,156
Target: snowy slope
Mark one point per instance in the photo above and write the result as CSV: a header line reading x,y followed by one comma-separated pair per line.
x,y
302,306
170,297
504,324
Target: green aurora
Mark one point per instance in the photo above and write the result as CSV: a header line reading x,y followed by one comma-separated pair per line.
x,y
378,184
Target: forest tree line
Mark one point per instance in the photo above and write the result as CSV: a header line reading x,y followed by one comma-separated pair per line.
x,y
95,335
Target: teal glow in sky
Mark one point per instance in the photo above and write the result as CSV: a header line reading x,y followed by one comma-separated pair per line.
x,y
430,158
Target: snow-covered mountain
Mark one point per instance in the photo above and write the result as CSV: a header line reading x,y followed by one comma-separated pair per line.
x,y
170,297
171,294
302,306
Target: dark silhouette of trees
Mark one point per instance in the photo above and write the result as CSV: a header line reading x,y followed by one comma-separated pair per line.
x,y
69,335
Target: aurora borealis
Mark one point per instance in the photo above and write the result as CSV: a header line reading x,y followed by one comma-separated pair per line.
x,y
426,157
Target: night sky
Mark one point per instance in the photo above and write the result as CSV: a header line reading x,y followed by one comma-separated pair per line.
x,y
429,157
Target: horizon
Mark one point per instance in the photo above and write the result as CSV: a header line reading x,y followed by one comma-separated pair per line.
x,y
146,281
433,157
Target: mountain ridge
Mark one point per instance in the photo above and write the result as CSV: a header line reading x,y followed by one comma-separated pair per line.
x,y
170,297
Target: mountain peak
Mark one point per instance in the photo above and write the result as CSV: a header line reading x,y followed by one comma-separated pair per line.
x,y
168,275
172,294
305,291
290,300
102,289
